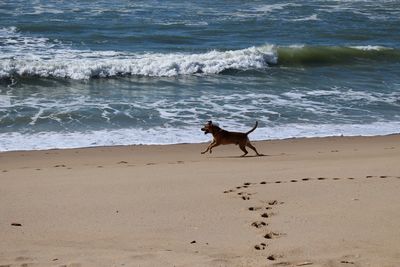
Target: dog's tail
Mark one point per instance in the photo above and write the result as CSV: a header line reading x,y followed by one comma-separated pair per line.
x,y
255,126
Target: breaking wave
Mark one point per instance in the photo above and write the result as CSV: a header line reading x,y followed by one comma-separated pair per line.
x,y
27,56
40,57
87,64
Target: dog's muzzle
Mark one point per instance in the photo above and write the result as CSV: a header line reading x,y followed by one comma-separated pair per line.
x,y
205,130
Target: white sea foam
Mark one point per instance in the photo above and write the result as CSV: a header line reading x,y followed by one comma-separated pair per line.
x,y
272,7
370,47
31,56
294,95
309,18
163,136
38,10
5,101
97,64
353,95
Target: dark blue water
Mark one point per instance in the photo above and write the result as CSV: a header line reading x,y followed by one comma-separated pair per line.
x,y
87,73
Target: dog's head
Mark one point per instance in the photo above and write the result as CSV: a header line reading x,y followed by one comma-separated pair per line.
x,y
209,127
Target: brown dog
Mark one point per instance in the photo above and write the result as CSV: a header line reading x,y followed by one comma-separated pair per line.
x,y
222,137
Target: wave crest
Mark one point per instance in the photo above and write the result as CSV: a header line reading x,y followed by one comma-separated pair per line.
x,y
40,57
85,65
29,56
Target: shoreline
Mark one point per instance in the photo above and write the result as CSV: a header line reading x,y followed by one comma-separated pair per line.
x,y
129,136
324,201
199,143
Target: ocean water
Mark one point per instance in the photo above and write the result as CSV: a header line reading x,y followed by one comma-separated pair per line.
x,y
90,73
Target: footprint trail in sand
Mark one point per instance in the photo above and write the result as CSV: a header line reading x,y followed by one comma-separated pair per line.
x,y
269,208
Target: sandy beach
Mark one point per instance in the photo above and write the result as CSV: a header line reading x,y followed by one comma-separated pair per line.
x,y
308,202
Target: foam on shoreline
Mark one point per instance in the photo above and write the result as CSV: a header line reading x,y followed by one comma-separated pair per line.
x,y
162,136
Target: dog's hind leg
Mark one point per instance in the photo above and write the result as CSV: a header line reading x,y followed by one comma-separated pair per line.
x,y
252,147
243,148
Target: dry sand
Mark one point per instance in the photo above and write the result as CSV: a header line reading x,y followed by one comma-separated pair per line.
x,y
309,202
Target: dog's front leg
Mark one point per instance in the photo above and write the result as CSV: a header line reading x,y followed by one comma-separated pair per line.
x,y
210,146
213,145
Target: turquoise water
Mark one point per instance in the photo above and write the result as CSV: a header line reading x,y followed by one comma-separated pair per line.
x,y
89,73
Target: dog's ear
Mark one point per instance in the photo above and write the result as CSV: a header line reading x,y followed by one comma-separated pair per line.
x,y
209,122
